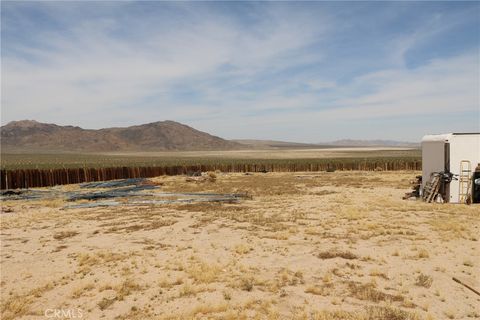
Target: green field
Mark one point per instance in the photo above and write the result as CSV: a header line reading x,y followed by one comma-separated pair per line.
x,y
12,161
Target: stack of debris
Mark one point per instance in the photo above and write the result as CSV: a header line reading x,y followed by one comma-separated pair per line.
x,y
202,177
415,193
125,192
434,189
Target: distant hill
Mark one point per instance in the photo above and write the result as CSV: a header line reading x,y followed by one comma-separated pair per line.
x,y
30,135
33,136
373,143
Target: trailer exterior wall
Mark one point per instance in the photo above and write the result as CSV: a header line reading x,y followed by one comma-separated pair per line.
x,y
462,147
433,159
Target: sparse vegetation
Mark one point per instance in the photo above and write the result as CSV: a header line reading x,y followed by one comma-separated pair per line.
x,y
423,254
243,248
82,290
280,255
318,290
246,283
371,313
203,272
64,234
105,303
337,254
424,280
369,292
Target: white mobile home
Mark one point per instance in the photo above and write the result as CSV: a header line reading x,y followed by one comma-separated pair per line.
x,y
455,153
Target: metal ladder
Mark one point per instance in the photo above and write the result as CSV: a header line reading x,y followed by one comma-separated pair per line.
x,y
430,191
465,182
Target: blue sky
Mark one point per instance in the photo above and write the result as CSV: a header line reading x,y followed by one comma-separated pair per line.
x,y
295,71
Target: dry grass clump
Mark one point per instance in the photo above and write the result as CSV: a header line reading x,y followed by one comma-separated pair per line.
x,y
368,292
165,283
205,309
124,289
64,234
105,303
187,290
149,225
351,213
297,278
59,248
89,260
275,235
285,277
203,272
136,313
243,248
377,273
424,280
246,283
423,254
18,305
319,290
371,313
227,295
80,291
254,309
337,254
323,192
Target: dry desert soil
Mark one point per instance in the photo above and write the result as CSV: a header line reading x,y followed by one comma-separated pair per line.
x,y
340,245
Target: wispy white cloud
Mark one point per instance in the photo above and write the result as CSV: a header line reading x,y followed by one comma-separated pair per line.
x,y
87,70
442,86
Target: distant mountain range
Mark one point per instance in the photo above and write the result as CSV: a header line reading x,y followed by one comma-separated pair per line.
x,y
33,136
273,144
268,144
30,135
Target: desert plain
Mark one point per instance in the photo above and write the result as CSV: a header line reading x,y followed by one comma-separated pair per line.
x,y
316,245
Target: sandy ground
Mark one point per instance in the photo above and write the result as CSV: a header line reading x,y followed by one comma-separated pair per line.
x,y
337,245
